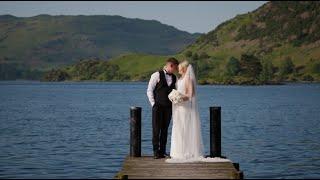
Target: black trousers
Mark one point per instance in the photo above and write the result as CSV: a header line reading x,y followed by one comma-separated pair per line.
x,y
161,116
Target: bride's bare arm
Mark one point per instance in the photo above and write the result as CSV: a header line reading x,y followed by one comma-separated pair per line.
x,y
189,89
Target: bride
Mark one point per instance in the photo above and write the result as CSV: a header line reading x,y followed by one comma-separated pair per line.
x,y
186,138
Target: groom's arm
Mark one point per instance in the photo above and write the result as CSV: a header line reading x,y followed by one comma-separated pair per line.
x,y
154,79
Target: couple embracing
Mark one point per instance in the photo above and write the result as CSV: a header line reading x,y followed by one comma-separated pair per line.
x,y
186,138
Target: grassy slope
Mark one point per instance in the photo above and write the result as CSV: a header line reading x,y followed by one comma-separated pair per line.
x,y
50,41
140,66
228,47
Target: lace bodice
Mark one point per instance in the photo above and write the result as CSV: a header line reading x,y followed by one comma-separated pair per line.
x,y
180,86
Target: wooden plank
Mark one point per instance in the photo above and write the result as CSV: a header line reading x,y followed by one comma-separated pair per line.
x,y
146,167
173,172
168,177
227,165
196,176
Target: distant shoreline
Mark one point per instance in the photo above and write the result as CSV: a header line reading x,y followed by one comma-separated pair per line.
x,y
217,84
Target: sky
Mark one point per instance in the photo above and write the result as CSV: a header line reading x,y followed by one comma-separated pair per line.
x,y
190,16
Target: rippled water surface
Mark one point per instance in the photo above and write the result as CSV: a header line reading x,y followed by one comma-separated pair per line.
x,y
81,130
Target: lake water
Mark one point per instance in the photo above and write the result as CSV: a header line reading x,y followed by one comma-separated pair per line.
x,y
81,129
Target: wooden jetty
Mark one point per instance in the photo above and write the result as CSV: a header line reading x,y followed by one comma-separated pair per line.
x,y
136,166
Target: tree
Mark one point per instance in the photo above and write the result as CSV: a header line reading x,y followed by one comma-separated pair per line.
x,y
56,75
316,68
232,67
286,67
8,71
188,53
250,65
195,56
267,71
204,55
307,77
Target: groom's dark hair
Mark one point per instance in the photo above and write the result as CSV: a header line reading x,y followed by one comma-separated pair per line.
x,y
173,61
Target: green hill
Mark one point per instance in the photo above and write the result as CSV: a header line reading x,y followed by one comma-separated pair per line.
x,y
43,42
138,66
279,41
128,67
274,33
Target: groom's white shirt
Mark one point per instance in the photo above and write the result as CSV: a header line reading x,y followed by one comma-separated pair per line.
x,y
155,78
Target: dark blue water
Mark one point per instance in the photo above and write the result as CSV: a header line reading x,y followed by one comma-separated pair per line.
x,y
81,130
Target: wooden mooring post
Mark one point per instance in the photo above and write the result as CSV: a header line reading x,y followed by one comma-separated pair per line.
x,y
136,166
135,132
215,131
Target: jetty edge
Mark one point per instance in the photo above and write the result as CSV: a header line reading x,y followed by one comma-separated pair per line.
x,y
136,166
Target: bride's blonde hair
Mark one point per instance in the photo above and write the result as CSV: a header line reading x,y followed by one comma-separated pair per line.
x,y
184,64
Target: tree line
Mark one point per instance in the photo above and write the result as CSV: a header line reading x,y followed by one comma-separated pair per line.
x,y
249,69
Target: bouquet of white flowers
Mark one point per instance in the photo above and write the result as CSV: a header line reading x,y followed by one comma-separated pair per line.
x,y
175,96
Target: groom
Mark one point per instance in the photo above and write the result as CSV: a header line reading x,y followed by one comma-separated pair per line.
x,y
160,85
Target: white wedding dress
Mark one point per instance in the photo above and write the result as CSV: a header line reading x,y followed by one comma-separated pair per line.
x,y
186,138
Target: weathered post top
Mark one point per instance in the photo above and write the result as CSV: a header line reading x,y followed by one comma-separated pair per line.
x,y
135,131
215,131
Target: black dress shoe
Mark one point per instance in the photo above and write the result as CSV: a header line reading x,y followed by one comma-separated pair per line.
x,y
161,156
156,155
166,155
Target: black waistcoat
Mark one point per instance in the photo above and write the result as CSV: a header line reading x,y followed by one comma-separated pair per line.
x,y
162,90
